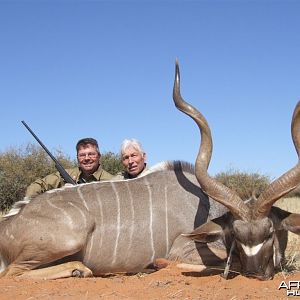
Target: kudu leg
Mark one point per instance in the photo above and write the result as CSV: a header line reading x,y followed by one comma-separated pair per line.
x,y
69,269
197,256
41,250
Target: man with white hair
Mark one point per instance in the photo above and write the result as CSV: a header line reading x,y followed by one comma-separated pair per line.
x,y
133,158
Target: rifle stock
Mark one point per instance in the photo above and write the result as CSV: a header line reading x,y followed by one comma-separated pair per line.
x,y
64,174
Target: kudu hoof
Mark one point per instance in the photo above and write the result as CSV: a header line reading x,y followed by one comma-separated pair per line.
x,y
81,274
77,273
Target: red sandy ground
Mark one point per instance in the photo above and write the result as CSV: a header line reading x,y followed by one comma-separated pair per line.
x,y
168,283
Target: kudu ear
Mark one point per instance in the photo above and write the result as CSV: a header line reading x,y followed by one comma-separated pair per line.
x,y
292,223
210,231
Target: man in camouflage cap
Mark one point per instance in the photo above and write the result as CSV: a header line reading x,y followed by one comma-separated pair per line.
x,y
89,169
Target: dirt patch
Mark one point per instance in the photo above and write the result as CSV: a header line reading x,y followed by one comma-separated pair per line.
x,y
168,283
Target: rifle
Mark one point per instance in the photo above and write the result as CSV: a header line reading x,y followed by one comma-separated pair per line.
x,y
64,174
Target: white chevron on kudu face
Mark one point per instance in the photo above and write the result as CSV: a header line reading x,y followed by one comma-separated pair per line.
x,y
251,250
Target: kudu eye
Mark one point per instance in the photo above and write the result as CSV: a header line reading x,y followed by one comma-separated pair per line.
x,y
271,232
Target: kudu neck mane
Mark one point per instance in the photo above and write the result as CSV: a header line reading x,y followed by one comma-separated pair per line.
x,y
174,165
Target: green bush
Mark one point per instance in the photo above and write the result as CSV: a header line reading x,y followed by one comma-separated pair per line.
x,y
244,184
19,167
111,163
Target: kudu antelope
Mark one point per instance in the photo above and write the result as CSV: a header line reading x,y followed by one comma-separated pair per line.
x,y
104,227
124,226
253,231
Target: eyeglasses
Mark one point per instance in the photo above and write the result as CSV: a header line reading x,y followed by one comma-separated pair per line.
x,y
90,155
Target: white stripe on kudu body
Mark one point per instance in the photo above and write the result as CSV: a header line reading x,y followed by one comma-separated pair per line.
x,y
80,211
251,251
98,197
118,228
96,241
66,215
132,225
81,197
150,218
167,220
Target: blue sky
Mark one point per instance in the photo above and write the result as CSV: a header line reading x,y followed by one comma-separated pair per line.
x,y
105,69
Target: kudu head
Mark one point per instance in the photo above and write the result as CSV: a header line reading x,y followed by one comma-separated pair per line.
x,y
252,227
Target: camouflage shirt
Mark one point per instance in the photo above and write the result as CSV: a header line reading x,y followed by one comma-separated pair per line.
x,y
55,180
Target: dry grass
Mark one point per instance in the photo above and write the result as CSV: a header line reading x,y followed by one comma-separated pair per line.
x,y
291,204
292,252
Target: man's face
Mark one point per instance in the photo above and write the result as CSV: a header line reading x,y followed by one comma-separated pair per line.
x,y
133,161
88,158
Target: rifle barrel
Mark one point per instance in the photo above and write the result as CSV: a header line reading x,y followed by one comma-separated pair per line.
x,y
58,166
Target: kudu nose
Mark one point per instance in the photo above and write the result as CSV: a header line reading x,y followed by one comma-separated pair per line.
x,y
261,277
